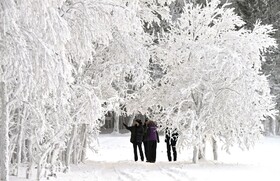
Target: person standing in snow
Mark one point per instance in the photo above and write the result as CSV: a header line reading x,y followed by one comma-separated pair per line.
x,y
136,138
152,140
145,138
171,137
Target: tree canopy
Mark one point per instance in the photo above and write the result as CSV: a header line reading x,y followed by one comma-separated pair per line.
x,y
65,63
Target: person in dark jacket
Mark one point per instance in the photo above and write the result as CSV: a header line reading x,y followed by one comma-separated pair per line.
x,y
136,138
145,138
152,140
171,137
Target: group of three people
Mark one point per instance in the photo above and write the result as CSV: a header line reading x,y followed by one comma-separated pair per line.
x,y
148,134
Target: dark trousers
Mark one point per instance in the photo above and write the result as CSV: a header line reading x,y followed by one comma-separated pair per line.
x,y
139,145
173,146
151,151
145,150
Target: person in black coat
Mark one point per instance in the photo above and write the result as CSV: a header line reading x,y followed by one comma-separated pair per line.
x,y
145,138
136,138
171,137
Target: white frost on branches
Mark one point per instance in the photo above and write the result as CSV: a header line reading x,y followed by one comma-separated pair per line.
x,y
212,85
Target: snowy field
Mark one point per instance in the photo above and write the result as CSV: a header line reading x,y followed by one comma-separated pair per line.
x,y
114,162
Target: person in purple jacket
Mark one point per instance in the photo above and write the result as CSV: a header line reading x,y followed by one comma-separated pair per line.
x,y
152,140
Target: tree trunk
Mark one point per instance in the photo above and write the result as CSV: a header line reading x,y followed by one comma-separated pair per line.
x,y
42,162
75,152
195,154
116,122
30,160
273,126
19,140
215,148
278,129
23,152
201,151
69,147
84,143
4,137
54,158
267,127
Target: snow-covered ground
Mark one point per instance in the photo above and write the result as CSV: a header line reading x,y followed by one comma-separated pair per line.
x,y
114,162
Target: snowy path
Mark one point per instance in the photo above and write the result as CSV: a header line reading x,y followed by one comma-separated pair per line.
x,y
114,163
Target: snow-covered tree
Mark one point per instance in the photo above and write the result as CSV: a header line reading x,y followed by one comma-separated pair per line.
x,y
268,12
66,60
65,63
110,59
32,66
212,86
